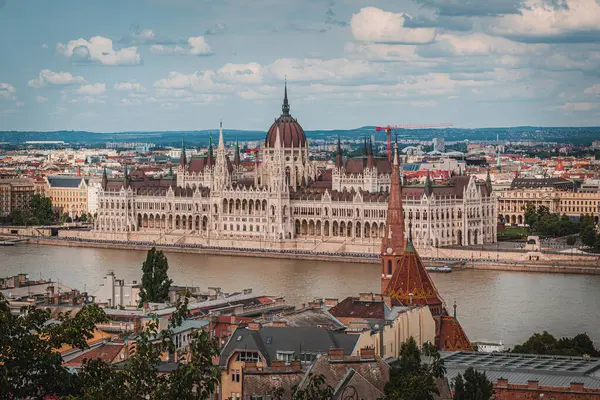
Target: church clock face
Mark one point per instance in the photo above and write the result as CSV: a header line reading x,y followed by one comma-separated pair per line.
x,y
389,250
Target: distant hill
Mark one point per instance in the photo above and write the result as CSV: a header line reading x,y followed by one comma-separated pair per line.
x,y
575,135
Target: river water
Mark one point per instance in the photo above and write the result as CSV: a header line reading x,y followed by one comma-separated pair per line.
x,y
492,305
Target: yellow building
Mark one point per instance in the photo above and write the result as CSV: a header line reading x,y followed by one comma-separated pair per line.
x,y
512,203
69,194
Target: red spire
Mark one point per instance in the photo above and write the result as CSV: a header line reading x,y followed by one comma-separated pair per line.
x,y
393,240
392,244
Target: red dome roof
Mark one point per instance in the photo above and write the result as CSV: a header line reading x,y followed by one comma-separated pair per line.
x,y
290,131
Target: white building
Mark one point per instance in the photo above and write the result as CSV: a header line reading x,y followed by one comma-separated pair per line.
x,y
439,145
287,198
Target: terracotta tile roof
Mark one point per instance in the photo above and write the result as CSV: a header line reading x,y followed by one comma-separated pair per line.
x,y
106,352
353,307
452,335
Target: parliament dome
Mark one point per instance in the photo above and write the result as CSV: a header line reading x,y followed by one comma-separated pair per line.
x,y
290,131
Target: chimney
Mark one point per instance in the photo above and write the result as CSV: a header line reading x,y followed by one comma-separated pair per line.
x,y
296,365
502,382
278,365
577,387
279,324
366,297
336,354
331,302
532,384
315,305
253,326
367,354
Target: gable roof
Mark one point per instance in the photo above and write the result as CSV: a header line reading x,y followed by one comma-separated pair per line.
x,y
269,340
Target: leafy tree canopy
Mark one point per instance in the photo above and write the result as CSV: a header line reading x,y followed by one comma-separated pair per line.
x,y
473,385
155,281
545,343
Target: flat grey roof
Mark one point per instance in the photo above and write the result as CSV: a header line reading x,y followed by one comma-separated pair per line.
x,y
557,371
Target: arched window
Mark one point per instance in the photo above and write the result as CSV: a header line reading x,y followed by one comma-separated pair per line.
x,y
389,267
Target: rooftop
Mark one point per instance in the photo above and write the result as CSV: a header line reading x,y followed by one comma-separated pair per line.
x,y
557,371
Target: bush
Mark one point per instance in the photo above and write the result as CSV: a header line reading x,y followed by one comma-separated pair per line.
x,y
571,240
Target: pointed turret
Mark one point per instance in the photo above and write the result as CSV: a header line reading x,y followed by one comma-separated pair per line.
x,y
236,157
221,141
278,139
428,185
210,158
370,159
488,181
285,107
339,161
104,180
125,178
392,243
182,158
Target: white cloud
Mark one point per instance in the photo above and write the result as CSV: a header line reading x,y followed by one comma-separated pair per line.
x,y
130,101
594,89
99,50
40,99
542,18
251,73
313,69
129,87
7,91
197,81
580,106
20,104
48,77
44,46
474,44
92,89
260,93
197,47
372,24
424,103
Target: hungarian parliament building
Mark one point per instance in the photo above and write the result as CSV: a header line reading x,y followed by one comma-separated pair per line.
x,y
287,199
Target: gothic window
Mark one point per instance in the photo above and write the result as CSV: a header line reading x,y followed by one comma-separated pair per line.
x,y
389,266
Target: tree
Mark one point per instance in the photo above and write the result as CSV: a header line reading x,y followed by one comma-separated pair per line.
x,y
545,343
155,281
30,365
531,215
475,386
410,379
41,208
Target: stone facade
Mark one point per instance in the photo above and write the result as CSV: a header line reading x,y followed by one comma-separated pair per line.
x,y
287,198
512,203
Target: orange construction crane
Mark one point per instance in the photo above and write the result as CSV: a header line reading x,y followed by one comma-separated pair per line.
x,y
388,130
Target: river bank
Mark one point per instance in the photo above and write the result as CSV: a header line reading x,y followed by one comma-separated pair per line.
x,y
484,264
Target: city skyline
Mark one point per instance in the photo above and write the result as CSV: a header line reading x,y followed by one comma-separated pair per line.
x,y
184,65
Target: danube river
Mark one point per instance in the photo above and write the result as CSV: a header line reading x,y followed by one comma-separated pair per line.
x,y
492,305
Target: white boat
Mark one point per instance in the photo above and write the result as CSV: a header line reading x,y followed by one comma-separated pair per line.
x,y
444,269
490,347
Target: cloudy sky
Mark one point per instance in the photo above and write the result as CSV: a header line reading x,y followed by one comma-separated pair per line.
x,y
117,65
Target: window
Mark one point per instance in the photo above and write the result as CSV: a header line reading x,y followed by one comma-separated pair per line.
x,y
235,375
286,356
247,356
389,267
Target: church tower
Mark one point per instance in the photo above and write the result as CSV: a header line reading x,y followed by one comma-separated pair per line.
x,y
222,177
392,244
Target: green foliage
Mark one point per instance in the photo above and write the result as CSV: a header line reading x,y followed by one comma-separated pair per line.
x,y
410,378
545,343
571,240
39,212
30,366
473,386
542,222
155,281
315,389
588,231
